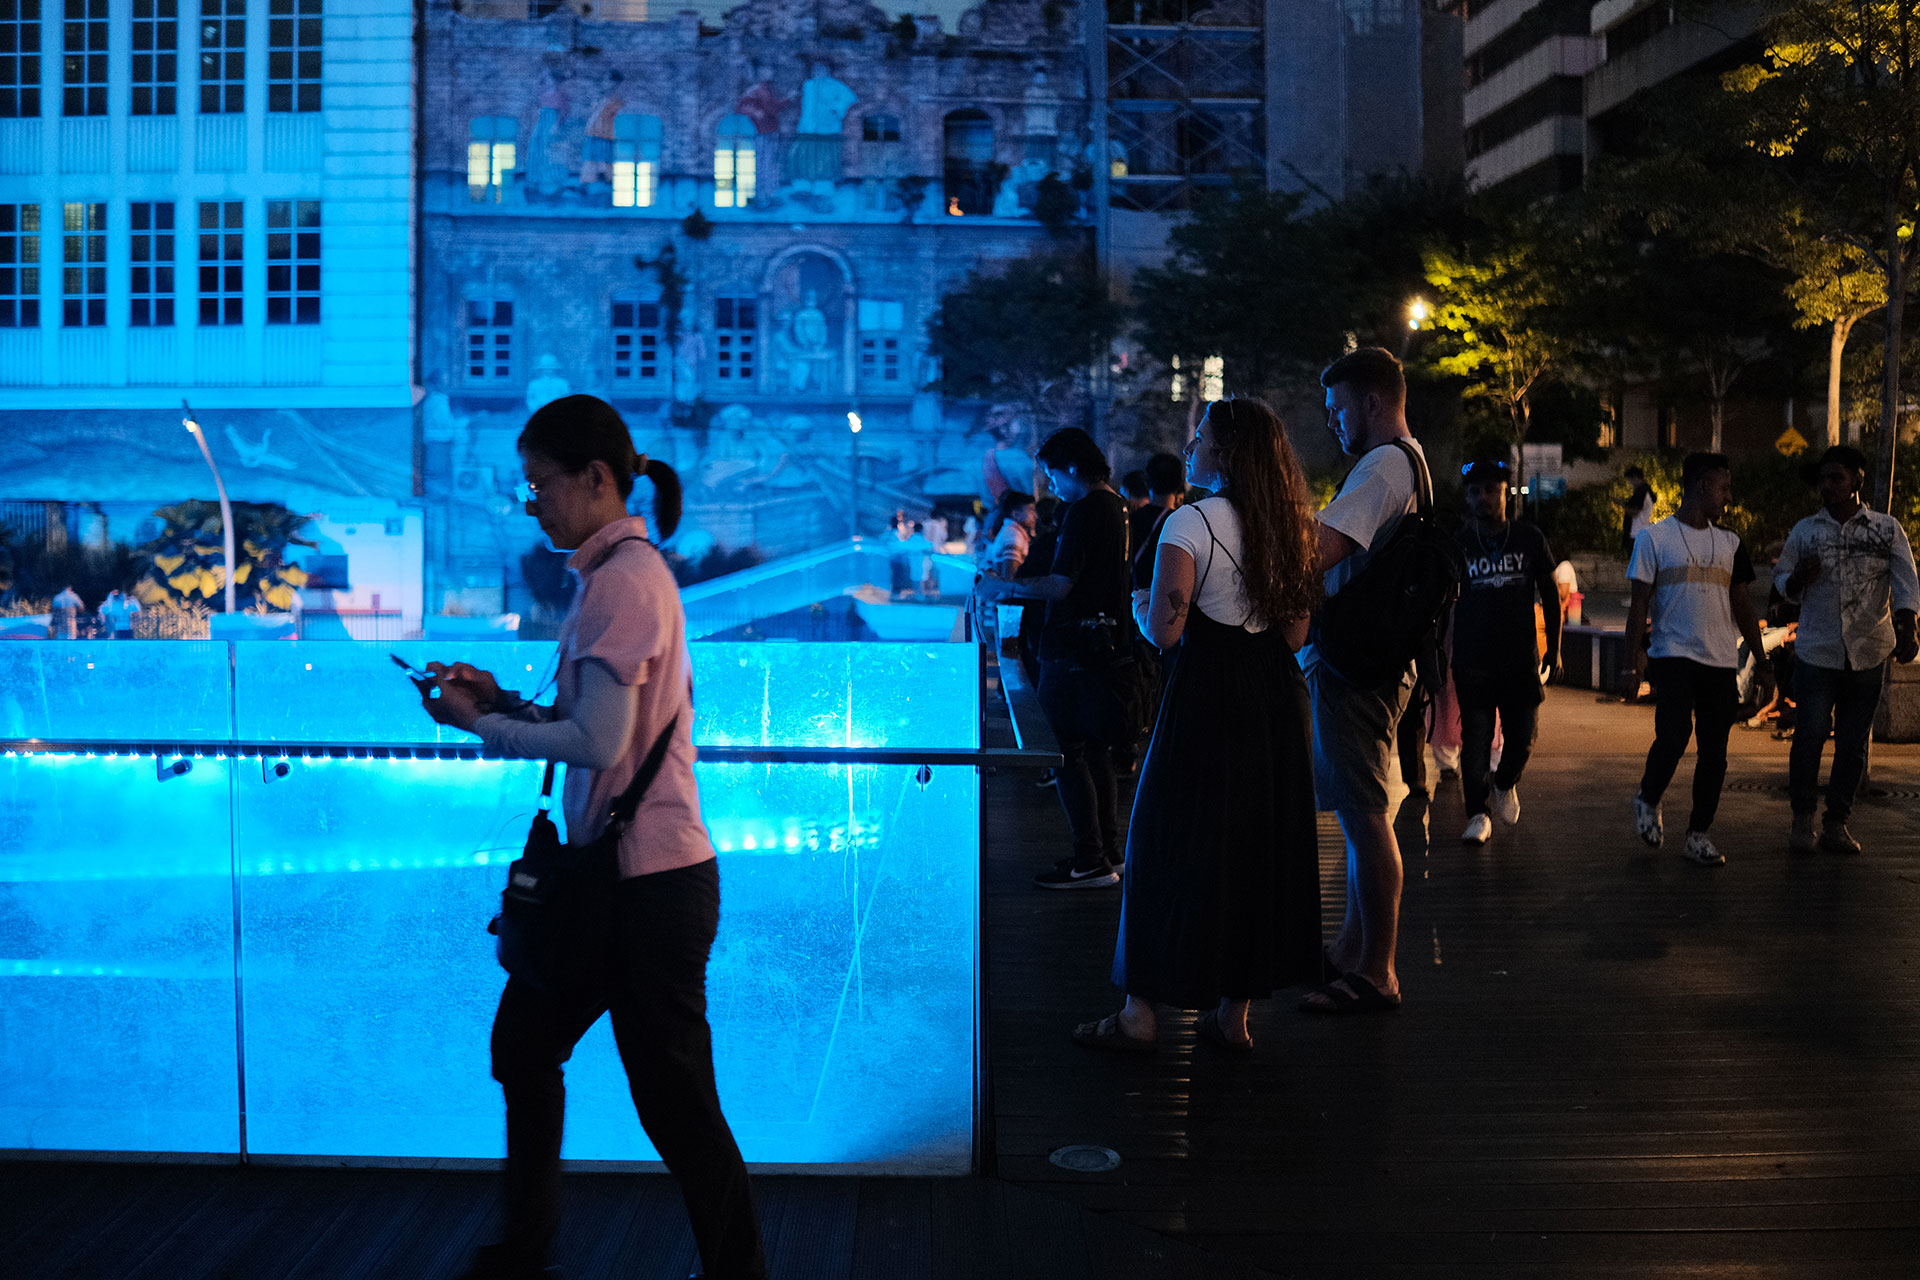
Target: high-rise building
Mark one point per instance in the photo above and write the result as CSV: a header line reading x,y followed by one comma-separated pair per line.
x,y
1524,112
212,201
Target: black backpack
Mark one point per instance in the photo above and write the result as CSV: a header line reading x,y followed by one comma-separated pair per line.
x,y
1395,610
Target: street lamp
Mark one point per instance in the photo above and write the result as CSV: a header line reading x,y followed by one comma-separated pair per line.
x,y
1416,313
220,487
853,467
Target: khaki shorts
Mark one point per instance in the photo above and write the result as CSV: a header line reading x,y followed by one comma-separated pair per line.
x,y
1352,737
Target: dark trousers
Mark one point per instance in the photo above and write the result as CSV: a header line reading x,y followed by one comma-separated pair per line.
x,y
656,989
1088,714
1516,700
1691,700
1844,703
1410,738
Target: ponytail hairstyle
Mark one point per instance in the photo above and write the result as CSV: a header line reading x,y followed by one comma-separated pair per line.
x,y
578,431
1269,493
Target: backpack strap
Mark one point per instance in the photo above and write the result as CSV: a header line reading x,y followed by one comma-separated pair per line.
x,y
1422,478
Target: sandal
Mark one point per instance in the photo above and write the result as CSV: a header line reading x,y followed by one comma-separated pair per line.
x,y
1212,1033
1107,1036
1349,993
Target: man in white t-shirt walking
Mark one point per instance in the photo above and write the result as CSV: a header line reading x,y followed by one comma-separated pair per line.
x,y
1353,727
1695,576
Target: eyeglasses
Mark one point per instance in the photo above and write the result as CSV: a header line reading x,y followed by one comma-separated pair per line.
x,y
530,490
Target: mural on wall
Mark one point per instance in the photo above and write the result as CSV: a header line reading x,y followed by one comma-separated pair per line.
x,y
809,323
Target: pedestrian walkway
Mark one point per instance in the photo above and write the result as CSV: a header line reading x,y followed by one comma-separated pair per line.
x,y
1611,1063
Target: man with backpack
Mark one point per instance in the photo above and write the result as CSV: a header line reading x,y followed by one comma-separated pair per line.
x,y
1358,700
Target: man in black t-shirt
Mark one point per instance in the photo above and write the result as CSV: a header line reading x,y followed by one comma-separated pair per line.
x,y
1085,654
1166,488
1497,666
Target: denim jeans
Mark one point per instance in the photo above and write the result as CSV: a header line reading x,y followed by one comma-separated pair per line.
x,y
1844,703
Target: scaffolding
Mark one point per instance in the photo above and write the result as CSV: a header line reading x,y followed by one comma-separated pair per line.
x,y
1185,99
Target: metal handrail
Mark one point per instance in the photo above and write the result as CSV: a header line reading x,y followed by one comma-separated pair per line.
x,y
220,749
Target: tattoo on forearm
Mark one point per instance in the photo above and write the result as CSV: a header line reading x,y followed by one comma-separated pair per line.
x,y
1176,605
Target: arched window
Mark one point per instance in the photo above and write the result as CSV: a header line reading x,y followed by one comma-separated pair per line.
x,y
490,155
734,163
636,160
969,162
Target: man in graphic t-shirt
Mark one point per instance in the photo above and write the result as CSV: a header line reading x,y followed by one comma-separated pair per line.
x,y
1695,576
1353,726
1496,664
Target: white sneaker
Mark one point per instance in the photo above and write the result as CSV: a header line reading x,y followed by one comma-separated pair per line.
x,y
1700,849
1646,822
1506,805
1479,830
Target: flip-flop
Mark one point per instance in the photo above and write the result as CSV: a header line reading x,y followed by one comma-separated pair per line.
x,y
1360,996
1107,1036
1212,1033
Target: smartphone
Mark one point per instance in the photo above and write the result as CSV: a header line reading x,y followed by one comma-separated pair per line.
x,y
421,679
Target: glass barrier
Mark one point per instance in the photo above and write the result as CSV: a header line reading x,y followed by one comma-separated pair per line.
x,y
350,896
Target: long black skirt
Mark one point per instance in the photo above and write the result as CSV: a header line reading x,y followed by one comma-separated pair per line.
x,y
1222,896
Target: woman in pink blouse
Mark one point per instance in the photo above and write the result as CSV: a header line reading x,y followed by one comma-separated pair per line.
x,y
623,679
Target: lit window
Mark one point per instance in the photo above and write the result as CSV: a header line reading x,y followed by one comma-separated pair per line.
x,y
636,160
293,262
19,266
636,341
83,264
19,58
736,334
293,55
223,57
734,164
1213,379
156,56
84,66
489,340
151,251
490,155
220,262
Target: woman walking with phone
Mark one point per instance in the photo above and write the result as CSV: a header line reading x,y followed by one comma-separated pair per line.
x,y
623,700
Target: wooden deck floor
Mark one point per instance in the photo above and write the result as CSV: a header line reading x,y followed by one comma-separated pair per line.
x,y
1610,1063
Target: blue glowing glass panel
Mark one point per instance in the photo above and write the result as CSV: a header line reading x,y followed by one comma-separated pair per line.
x,y
116,956
115,691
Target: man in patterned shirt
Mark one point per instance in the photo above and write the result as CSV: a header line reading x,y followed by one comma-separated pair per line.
x,y
1850,569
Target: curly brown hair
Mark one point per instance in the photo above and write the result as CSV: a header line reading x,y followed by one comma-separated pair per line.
x,y
1268,490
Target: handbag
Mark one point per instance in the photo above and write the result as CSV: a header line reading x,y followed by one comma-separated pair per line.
x,y
555,929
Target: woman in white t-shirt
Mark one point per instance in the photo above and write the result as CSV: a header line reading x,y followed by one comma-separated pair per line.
x,y
623,698
1222,897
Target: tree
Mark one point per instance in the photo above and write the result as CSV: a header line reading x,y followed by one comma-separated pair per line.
x,y
1028,332
187,561
1838,285
1835,104
1504,307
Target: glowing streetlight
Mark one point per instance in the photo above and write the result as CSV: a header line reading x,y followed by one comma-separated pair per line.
x,y
1416,312
220,487
853,422
853,471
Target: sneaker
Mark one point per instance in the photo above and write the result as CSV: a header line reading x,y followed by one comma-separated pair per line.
x,y
1646,823
1506,804
1800,838
1479,830
1074,876
1700,849
1835,838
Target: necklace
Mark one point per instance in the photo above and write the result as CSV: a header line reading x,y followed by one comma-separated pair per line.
x,y
1686,540
1486,546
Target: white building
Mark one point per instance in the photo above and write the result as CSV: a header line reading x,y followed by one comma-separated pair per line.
x,y
212,200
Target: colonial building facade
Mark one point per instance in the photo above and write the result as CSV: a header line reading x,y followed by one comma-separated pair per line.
x,y
736,231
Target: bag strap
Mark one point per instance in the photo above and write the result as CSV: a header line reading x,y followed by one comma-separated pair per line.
x,y
629,800
1422,478
546,788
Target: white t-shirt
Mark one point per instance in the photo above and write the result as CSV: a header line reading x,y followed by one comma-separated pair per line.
x,y
1563,573
1381,488
1693,573
1218,589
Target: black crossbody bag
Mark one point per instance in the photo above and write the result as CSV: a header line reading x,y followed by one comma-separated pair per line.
x,y
556,913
